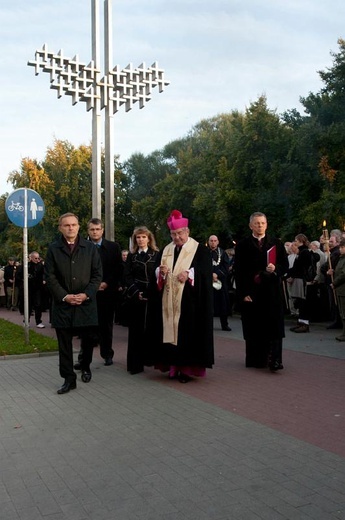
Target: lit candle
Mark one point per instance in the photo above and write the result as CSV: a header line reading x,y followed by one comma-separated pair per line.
x,y
325,231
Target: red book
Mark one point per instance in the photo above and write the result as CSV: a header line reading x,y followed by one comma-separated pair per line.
x,y
272,255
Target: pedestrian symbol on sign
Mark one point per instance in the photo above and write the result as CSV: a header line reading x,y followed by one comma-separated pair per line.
x,y
25,207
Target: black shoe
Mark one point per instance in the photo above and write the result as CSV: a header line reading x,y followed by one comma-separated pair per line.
x,y
226,328
77,366
86,376
183,378
108,361
274,367
67,386
335,325
138,371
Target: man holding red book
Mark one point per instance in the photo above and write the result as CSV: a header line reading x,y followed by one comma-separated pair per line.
x,y
260,263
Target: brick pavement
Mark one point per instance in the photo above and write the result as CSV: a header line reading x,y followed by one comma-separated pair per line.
x,y
240,444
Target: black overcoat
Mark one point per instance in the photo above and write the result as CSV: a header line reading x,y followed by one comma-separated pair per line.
x,y
112,265
73,273
263,318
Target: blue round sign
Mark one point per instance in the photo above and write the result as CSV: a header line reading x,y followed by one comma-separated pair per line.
x,y
24,207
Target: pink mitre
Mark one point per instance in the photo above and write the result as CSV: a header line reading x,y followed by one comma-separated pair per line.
x,y
176,220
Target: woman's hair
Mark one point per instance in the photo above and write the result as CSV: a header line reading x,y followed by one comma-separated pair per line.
x,y
143,230
302,238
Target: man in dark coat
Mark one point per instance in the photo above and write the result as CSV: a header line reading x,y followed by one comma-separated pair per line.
x,y
260,263
185,318
327,269
220,266
73,275
11,284
110,253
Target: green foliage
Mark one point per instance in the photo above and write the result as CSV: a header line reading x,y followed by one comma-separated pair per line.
x,y
290,166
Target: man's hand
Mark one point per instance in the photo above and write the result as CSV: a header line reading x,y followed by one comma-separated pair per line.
x,y
76,299
270,268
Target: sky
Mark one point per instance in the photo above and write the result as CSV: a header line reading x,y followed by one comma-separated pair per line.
x,y
218,55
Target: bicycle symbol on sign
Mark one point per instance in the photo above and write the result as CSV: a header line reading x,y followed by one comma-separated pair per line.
x,y
15,205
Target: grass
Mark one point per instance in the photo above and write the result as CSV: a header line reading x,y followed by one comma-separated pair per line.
x,y
12,341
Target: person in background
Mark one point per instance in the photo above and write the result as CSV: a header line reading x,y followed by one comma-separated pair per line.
x,y
302,284
73,272
231,279
2,288
183,327
138,270
320,305
36,283
120,305
11,284
328,269
292,252
220,266
339,286
110,254
260,263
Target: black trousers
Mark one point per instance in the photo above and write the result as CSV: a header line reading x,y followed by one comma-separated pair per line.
x,y
105,311
35,303
65,342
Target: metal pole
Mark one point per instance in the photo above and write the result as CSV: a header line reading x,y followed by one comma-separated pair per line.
x,y
96,115
25,269
109,127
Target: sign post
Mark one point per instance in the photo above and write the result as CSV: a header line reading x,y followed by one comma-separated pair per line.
x,y
25,208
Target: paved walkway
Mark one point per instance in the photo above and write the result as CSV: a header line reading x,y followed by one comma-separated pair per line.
x,y
239,444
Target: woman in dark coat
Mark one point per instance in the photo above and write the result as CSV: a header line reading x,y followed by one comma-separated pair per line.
x,y
138,270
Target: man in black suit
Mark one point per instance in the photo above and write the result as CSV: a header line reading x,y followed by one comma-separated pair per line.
x,y
73,273
110,253
260,263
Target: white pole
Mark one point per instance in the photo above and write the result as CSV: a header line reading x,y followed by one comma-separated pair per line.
x,y
25,268
96,115
109,127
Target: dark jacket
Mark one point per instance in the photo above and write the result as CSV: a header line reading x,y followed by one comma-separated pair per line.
x,y
339,276
138,272
10,273
111,259
73,273
302,263
334,258
263,318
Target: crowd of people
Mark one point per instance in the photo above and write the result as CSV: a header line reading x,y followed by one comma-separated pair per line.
x,y
168,298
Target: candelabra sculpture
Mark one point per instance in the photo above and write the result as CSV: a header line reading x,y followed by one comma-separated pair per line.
x,y
116,87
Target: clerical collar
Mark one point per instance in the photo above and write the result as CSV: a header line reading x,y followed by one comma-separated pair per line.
x,y
258,238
